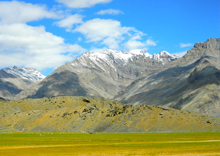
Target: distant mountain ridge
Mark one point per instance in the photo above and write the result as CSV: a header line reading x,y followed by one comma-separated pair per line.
x,y
99,74
26,73
135,77
190,83
14,80
125,56
165,57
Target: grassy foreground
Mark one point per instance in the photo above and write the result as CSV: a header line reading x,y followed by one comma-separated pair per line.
x,y
57,143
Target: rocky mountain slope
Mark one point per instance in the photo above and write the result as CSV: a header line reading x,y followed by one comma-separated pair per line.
x,y
14,80
191,83
136,77
99,74
80,114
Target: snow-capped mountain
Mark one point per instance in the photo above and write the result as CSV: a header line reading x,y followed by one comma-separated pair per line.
x,y
26,73
136,77
99,74
14,80
112,58
125,56
190,83
164,57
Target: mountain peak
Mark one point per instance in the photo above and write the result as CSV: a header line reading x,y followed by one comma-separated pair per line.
x,y
211,43
209,48
164,57
164,53
15,67
124,56
108,55
26,73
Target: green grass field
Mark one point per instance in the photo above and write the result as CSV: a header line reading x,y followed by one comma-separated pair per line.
x,y
57,143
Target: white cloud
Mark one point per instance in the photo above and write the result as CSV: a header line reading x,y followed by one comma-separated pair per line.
x,y
180,54
25,45
134,44
16,12
93,49
79,39
70,21
112,42
98,29
150,42
110,12
183,45
82,3
111,34
107,31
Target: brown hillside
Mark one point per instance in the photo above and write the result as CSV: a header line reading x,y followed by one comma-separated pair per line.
x,y
78,114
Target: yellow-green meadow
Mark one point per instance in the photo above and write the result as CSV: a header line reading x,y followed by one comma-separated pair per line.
x,y
62,143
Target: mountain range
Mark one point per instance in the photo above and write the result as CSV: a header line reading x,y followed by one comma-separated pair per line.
x,y
133,77
14,80
99,74
191,83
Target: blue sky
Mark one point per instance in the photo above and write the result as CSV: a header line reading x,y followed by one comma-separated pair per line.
x,y
46,34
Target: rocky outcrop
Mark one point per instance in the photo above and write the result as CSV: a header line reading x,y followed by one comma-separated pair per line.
x,y
192,83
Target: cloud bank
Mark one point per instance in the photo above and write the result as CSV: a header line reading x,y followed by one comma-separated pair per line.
x,y
183,45
25,45
109,11
82,3
69,21
33,47
21,12
111,34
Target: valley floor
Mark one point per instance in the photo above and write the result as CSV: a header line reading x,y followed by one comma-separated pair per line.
x,y
107,144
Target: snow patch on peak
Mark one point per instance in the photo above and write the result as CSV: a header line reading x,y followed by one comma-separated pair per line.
x,y
107,58
114,54
140,52
162,53
111,57
136,51
26,73
164,56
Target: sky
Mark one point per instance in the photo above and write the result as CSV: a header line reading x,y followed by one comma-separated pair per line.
x,y
47,34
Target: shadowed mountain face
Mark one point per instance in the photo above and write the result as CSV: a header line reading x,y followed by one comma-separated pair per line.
x,y
101,74
8,89
63,84
192,83
14,80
